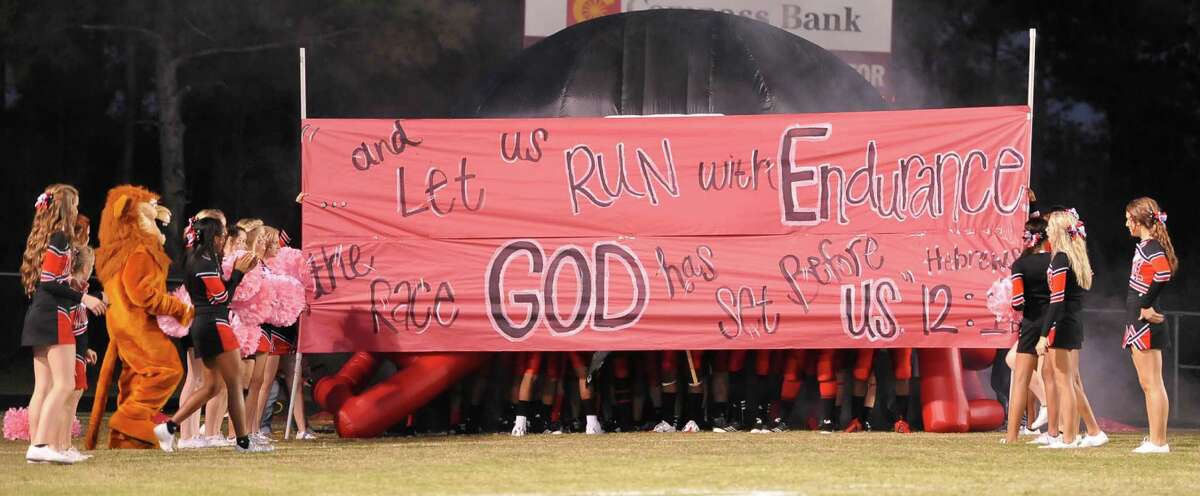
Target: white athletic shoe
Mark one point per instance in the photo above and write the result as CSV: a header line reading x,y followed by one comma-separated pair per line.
x,y
218,441
691,426
46,454
305,436
593,425
1045,439
192,443
1042,418
1059,444
255,447
1149,447
664,426
1029,432
78,455
1096,441
519,426
166,440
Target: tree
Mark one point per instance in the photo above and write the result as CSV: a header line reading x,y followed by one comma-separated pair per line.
x,y
179,34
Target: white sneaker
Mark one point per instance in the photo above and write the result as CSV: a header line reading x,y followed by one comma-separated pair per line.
x,y
1042,418
1096,441
691,426
664,426
218,441
192,443
520,425
46,454
593,425
78,455
255,447
305,436
1045,439
166,440
1148,447
1059,444
1029,432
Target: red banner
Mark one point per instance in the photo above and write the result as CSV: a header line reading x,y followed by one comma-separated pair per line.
x,y
869,229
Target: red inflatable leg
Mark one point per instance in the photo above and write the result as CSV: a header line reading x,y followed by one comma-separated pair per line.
x,y
977,358
391,401
331,391
985,413
943,404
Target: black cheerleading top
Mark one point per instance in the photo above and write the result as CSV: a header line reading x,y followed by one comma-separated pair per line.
x,y
1066,295
210,294
55,278
1031,293
1151,272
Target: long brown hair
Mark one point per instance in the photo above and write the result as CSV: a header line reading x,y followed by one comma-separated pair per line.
x,y
57,214
1145,211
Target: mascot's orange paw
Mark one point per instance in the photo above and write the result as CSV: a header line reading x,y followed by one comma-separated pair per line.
x,y
118,440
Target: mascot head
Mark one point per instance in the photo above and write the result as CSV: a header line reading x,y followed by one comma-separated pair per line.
x,y
127,223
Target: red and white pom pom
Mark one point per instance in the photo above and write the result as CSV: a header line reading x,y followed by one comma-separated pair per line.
x,y
287,300
999,298
247,334
168,324
16,424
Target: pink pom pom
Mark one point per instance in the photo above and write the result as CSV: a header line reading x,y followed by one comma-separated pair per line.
x,y
247,334
290,262
16,424
999,298
227,263
168,324
76,427
255,308
287,301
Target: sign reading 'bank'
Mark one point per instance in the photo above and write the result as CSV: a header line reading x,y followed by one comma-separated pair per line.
x,y
857,31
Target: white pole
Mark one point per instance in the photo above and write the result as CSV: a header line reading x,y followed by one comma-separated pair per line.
x,y
287,430
1032,56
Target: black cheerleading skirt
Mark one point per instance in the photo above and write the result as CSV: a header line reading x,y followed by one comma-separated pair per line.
x,y
47,322
212,335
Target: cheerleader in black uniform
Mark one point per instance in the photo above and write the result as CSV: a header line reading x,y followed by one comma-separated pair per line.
x,y
48,329
81,271
1031,296
210,333
1145,335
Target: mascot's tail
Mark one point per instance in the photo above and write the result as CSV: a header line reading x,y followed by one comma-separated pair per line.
x,y
101,399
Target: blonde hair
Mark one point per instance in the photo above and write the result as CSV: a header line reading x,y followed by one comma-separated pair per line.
x,y
58,215
211,213
1060,228
1144,211
265,236
248,224
82,265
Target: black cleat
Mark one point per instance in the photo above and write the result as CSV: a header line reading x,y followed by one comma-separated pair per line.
x,y
827,426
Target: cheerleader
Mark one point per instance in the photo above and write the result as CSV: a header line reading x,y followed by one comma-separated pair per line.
x,y
283,338
1030,296
1145,335
210,332
81,271
264,244
48,329
191,433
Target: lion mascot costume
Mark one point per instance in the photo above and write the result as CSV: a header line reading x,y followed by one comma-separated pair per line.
x,y
132,266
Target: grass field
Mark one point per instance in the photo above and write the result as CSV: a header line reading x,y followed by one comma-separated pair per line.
x,y
791,463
